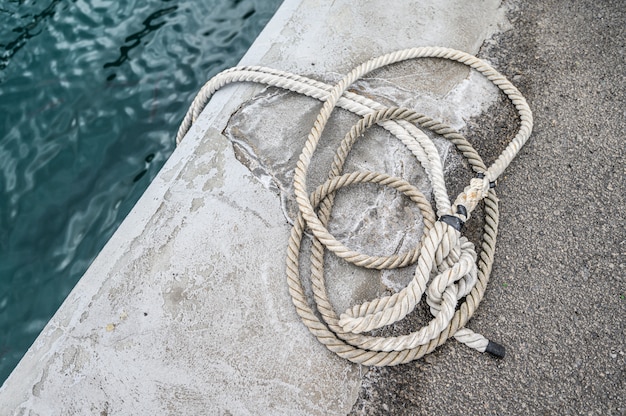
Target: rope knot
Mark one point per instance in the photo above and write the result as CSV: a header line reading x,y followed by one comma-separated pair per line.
x,y
447,255
457,276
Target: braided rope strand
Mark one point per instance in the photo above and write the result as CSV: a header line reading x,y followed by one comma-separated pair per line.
x,y
443,257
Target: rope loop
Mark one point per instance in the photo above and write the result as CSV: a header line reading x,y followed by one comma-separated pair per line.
x,y
448,269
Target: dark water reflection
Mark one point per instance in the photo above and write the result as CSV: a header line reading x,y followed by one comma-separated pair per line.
x,y
91,95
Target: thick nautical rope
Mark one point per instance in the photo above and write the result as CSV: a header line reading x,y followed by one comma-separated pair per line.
x,y
444,257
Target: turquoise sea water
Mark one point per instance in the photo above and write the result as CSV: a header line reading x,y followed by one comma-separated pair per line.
x,y
91,96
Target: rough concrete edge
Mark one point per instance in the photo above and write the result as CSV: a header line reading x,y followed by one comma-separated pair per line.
x,y
141,213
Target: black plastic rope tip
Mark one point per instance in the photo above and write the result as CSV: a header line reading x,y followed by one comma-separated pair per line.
x,y
452,221
460,209
495,349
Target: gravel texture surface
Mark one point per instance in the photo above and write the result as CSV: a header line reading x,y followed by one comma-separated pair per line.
x,y
557,295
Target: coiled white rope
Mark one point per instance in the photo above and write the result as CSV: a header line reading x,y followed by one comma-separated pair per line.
x,y
444,257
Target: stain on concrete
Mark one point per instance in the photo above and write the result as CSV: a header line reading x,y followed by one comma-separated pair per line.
x,y
196,204
40,385
209,166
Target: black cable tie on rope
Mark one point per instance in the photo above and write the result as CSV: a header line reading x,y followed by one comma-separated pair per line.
x,y
481,175
452,221
495,349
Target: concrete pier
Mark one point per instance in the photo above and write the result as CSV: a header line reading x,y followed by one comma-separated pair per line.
x,y
186,310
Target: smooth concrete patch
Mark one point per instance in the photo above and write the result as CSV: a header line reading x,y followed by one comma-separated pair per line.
x,y
186,310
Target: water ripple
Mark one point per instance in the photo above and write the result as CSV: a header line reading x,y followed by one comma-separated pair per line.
x,y
25,30
91,95
149,26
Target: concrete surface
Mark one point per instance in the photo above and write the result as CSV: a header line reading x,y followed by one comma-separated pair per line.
x,y
186,310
